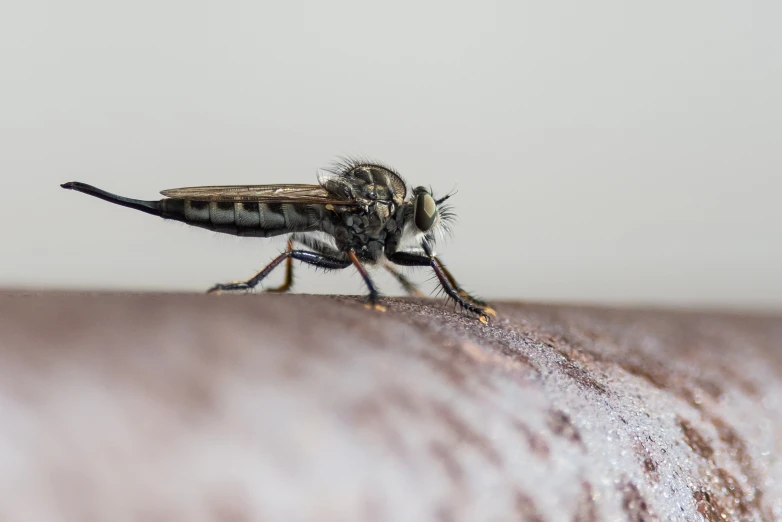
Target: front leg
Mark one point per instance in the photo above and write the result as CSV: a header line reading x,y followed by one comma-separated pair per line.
x,y
413,259
464,293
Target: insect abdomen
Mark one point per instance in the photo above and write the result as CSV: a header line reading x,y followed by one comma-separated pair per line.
x,y
245,218
240,218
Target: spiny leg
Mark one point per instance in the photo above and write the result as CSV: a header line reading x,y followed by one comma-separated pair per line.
x,y
373,293
323,248
483,310
408,285
288,281
412,259
311,258
317,245
451,279
462,292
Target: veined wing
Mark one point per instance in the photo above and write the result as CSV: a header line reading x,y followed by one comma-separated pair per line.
x,y
260,194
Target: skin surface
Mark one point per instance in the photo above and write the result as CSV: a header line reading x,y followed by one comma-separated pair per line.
x,y
187,407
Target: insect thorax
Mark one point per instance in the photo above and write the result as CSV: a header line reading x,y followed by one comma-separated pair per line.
x,y
367,228
367,183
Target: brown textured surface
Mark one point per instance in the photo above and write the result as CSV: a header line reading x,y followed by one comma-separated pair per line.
x,y
274,407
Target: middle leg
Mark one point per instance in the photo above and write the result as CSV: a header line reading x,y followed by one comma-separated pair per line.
x,y
408,285
373,293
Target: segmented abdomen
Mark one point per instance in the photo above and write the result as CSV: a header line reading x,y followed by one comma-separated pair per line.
x,y
245,218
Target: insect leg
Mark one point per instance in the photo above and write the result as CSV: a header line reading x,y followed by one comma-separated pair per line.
x,y
408,285
462,292
288,282
311,258
411,259
451,279
373,293
321,247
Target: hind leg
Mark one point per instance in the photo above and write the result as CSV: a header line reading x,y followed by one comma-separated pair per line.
x,y
311,258
310,242
288,281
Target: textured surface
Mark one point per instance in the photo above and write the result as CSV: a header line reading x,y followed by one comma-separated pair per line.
x,y
294,408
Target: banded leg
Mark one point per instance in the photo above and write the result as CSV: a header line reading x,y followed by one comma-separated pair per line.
x,y
411,259
373,293
408,285
311,258
288,281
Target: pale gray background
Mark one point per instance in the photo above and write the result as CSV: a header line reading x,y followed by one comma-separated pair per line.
x,y
603,151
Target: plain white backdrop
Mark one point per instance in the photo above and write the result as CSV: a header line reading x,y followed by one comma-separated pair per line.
x,y
605,151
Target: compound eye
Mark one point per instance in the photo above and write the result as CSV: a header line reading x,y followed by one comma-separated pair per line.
x,y
425,211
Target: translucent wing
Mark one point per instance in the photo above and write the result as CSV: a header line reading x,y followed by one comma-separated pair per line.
x,y
260,194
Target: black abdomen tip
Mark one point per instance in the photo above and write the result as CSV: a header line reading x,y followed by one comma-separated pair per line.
x,y
76,185
150,207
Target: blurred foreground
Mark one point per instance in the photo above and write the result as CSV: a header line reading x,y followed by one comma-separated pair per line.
x,y
297,408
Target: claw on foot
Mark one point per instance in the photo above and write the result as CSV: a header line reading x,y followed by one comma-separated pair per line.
x,y
375,306
219,288
483,319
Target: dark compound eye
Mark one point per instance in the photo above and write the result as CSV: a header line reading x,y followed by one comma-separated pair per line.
x,y
425,211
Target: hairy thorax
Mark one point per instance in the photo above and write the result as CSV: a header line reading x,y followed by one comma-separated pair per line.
x,y
367,232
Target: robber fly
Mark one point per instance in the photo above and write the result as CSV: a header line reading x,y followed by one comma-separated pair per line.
x,y
359,213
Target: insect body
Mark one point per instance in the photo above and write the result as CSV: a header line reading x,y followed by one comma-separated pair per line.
x,y
361,213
